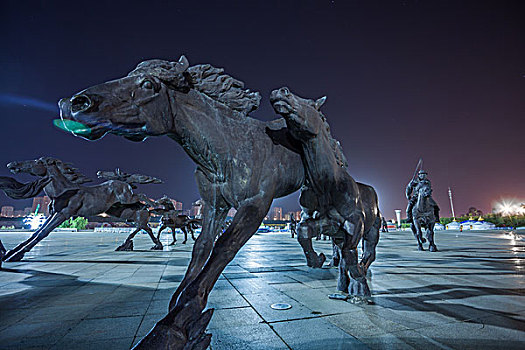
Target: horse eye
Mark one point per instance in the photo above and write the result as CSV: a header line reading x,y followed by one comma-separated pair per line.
x,y
147,84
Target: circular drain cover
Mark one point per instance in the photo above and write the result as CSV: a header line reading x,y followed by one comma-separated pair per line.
x,y
281,306
337,296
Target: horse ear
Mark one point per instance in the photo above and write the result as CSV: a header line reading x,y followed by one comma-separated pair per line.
x,y
320,102
182,64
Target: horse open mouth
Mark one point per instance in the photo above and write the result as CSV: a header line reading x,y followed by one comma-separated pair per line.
x,y
80,129
281,107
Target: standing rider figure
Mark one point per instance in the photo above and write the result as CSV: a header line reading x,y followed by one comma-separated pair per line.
x,y
411,194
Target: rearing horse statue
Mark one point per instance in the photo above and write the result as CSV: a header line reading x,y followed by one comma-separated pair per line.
x,y
238,165
331,198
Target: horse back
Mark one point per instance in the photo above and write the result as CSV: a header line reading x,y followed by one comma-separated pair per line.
x,y
369,201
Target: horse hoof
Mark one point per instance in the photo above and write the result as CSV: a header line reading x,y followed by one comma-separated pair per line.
x,y
433,248
157,247
15,257
360,289
172,243
420,248
184,242
125,247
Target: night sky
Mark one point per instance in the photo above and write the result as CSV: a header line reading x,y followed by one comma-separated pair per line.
x,y
441,80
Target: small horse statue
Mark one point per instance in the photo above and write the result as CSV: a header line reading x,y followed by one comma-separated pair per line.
x,y
137,213
423,217
69,198
332,202
173,220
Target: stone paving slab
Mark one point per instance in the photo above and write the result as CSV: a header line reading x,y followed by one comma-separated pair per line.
x,y
73,291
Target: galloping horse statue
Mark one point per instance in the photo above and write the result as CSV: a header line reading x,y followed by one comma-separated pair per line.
x,y
173,220
69,198
345,210
207,112
423,214
137,213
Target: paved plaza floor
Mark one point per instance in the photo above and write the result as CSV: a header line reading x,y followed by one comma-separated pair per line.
x,y
73,291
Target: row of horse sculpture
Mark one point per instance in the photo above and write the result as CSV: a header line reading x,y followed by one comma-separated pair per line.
x,y
241,163
70,197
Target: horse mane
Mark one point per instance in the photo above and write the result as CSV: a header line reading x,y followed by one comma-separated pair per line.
x,y
223,88
67,169
205,78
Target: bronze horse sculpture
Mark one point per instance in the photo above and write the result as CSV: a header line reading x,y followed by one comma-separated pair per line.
x,y
69,198
137,213
423,215
332,202
207,112
173,220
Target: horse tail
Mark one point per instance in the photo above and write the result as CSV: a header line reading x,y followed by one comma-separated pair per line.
x,y
18,190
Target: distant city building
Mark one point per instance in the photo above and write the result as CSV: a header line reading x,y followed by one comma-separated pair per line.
x,y
232,212
43,205
296,215
177,205
7,211
18,213
276,213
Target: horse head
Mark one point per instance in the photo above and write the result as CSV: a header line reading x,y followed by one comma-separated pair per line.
x,y
303,116
35,167
147,102
136,106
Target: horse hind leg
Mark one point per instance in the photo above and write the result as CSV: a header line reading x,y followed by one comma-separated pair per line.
x,y
430,236
358,285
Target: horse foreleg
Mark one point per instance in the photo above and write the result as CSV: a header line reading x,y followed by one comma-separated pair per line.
x,y
19,251
306,230
128,243
430,236
184,326
156,241
185,231
417,235
370,241
162,228
212,222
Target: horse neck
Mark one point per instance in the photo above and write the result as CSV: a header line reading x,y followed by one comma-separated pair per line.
x,y
204,128
319,159
59,182
422,203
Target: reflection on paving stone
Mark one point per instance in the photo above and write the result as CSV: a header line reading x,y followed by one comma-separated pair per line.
x,y
470,295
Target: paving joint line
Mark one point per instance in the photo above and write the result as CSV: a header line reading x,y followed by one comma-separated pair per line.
x,y
257,312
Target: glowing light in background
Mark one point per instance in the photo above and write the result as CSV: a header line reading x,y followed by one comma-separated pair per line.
x,y
24,101
35,221
508,207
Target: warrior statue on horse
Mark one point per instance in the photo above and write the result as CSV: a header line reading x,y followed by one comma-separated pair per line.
x,y
422,210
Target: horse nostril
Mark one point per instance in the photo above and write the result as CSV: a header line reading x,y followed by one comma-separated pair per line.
x,y
285,91
80,103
